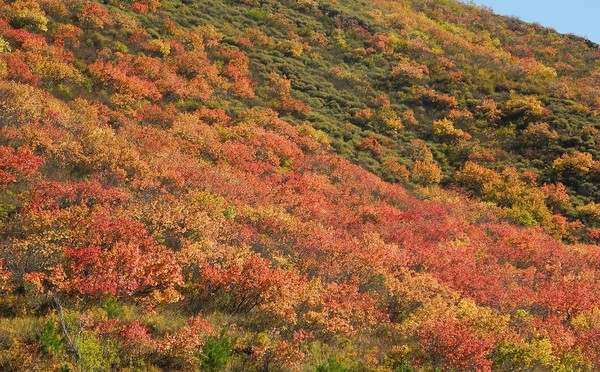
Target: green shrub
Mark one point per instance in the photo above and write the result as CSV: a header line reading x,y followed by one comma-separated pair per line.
x,y
51,341
216,353
5,210
112,308
258,14
332,365
95,354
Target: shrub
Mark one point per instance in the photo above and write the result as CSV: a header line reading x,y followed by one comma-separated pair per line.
x,y
216,352
50,340
332,365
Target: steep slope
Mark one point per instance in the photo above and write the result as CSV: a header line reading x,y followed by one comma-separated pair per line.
x,y
183,186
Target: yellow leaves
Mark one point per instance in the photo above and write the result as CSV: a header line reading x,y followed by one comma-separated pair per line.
x,y
348,75
485,320
408,117
340,309
4,46
390,119
307,4
208,202
409,70
3,70
281,302
307,130
280,85
556,194
205,36
434,97
528,107
43,238
293,48
539,134
411,287
20,103
577,163
29,13
318,38
257,37
385,118
392,165
591,210
168,295
445,130
162,46
489,110
536,354
523,201
48,62
102,149
477,178
587,320
272,214
426,172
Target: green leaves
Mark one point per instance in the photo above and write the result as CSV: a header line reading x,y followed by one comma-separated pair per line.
x,y
216,352
51,341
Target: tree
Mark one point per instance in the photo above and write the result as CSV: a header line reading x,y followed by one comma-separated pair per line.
x,y
445,130
29,13
216,352
574,164
538,135
524,107
489,109
451,345
93,15
281,86
16,164
426,172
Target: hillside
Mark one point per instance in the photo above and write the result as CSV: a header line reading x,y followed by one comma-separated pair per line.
x,y
308,185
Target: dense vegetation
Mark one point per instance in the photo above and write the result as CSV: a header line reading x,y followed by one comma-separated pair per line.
x,y
409,185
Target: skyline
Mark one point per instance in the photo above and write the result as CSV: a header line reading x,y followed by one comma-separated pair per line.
x,y
579,17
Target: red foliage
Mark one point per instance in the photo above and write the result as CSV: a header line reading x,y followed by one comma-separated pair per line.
x,y
139,7
19,70
16,164
67,32
237,68
213,116
4,276
186,340
54,195
94,15
124,80
20,35
370,144
129,263
453,346
568,298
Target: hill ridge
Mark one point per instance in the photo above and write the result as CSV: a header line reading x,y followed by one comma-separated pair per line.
x,y
295,185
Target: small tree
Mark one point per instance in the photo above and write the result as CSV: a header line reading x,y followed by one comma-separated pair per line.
x,y
50,340
426,172
216,352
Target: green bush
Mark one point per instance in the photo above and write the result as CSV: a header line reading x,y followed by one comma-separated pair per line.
x,y
50,340
332,365
95,354
112,308
5,210
216,353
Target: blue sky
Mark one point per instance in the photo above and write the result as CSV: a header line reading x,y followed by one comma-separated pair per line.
x,y
580,17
